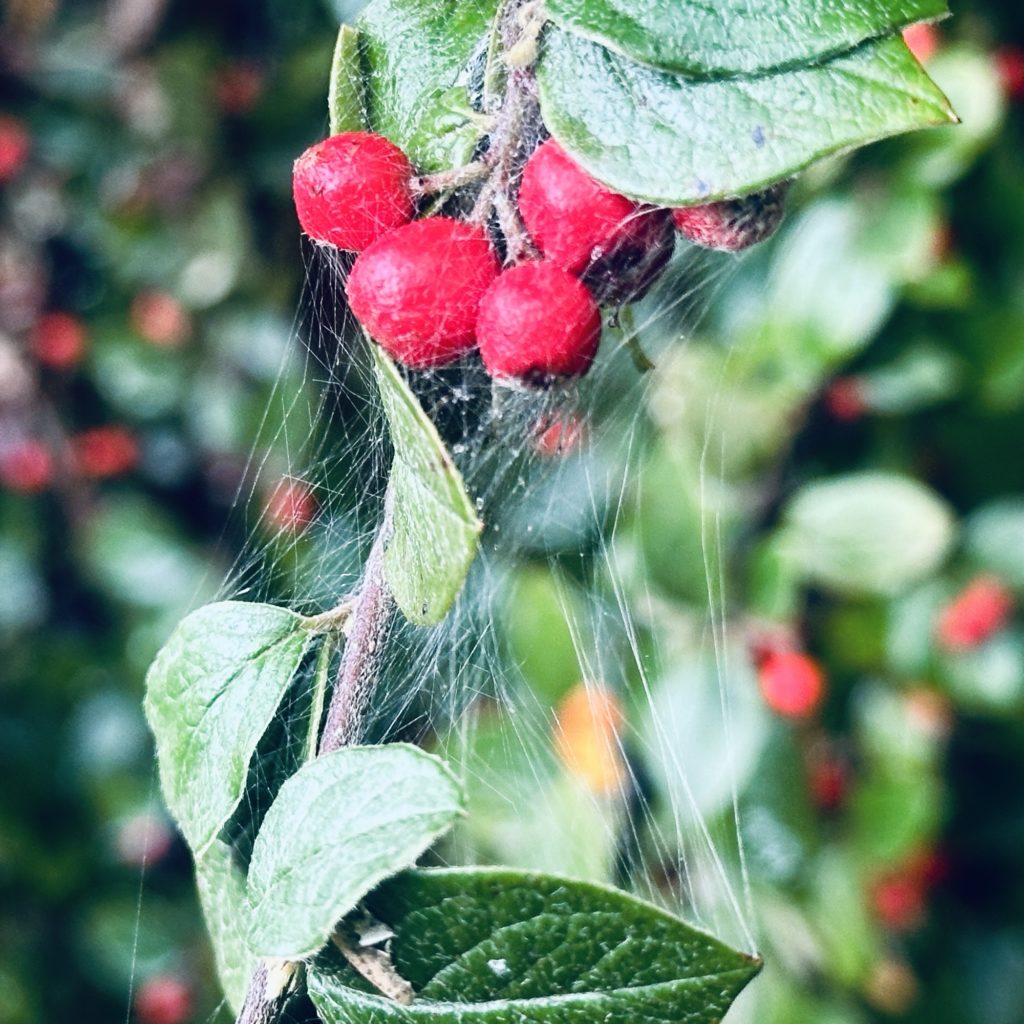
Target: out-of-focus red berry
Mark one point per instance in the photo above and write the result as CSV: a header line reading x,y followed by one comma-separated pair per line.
x,y
160,319
238,87
106,452
351,189
15,145
417,290
827,780
58,340
291,506
555,438
26,466
792,683
898,900
143,839
538,322
981,609
163,999
922,40
1010,65
845,400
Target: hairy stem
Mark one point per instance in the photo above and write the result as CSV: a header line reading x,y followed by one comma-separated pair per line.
x,y
271,986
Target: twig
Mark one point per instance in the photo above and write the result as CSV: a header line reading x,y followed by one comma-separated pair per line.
x,y
271,986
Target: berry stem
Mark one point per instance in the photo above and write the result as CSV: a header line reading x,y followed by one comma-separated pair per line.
x,y
445,181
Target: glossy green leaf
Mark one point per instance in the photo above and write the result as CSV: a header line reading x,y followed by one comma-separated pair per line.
x,y
339,826
867,533
673,141
345,101
417,58
436,529
211,693
491,945
221,884
736,36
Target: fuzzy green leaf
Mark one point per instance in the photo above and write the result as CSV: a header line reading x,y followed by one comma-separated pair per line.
x,y
210,695
338,827
672,141
417,59
345,101
436,529
734,36
488,946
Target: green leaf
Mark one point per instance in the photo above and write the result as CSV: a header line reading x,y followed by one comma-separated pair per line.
x,y
491,945
436,529
735,36
221,884
211,693
867,533
417,59
340,825
673,141
345,102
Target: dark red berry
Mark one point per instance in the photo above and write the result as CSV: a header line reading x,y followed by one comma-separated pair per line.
x,y
537,322
792,683
417,290
627,272
26,467
733,224
845,399
979,610
898,900
1010,66
14,147
58,340
106,452
574,220
351,189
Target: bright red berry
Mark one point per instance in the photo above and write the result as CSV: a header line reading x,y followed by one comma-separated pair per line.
x,y
979,610
14,147
58,340
1010,65
922,40
26,467
733,224
792,683
573,219
536,322
163,999
160,319
352,189
106,452
417,290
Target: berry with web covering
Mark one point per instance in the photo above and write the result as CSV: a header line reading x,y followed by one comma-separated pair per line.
x,y
734,224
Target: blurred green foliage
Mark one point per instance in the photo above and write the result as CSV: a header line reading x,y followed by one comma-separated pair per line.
x,y
862,379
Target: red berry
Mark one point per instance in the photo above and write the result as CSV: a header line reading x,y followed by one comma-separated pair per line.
x,y
291,507
417,290
58,340
160,319
351,189
106,452
922,40
845,399
627,272
26,467
536,322
555,438
1010,65
163,999
733,224
573,219
828,781
792,683
898,900
143,839
980,610
14,147
238,87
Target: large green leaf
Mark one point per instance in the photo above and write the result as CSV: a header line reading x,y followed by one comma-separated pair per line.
x,y
867,533
736,36
417,56
340,825
210,695
489,946
673,141
221,884
436,529
345,100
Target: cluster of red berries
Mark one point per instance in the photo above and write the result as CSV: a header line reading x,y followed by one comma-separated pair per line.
x,y
430,290
29,466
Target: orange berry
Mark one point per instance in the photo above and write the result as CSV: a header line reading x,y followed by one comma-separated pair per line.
x,y
160,319
589,719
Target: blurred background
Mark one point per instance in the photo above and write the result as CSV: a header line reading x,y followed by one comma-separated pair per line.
x,y
861,381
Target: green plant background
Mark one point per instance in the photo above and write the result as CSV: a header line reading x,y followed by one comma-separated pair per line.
x,y
899,269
